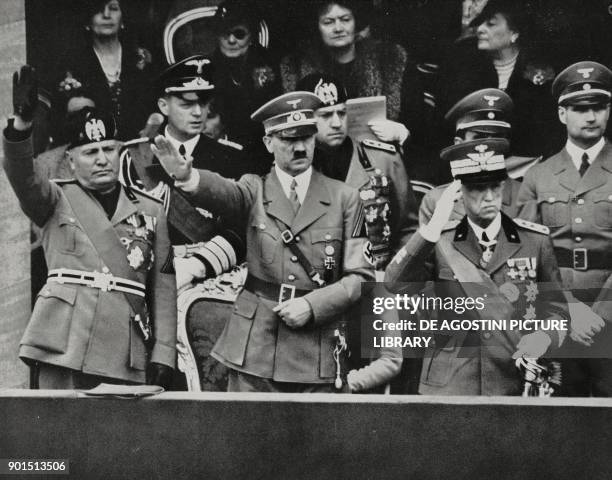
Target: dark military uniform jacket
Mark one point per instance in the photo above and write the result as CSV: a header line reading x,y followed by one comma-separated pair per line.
x,y
509,202
578,212
377,171
84,328
480,363
326,227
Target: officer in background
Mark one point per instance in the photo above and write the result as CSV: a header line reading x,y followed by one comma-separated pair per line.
x,y
377,171
305,256
571,193
203,248
482,114
374,168
107,312
485,254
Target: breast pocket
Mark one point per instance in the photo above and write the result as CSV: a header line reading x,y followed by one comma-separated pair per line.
x,y
71,236
267,240
326,243
49,325
603,210
554,208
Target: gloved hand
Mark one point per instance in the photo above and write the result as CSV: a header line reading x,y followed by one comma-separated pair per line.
x,y
159,374
389,131
25,93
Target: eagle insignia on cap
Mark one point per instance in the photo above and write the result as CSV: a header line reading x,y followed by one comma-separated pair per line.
x,y
585,72
482,157
294,103
95,130
199,63
491,100
327,92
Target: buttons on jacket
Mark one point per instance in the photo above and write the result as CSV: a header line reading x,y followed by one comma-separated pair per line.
x,y
291,278
578,220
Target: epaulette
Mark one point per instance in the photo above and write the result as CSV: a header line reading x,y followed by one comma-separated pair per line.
x,y
63,181
145,194
229,143
387,147
534,227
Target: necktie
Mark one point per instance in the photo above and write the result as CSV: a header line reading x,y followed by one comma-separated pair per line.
x,y
487,247
293,198
584,166
182,150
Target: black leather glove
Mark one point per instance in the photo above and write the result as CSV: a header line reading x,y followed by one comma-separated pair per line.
x,y
25,93
159,374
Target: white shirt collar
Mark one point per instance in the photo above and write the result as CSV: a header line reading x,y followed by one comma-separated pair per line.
x,y
492,230
189,144
576,152
302,180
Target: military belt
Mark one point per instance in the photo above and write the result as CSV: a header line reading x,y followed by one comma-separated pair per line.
x,y
271,291
104,281
583,259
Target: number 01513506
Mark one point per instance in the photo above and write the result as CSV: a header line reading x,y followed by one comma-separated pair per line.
x,y
23,466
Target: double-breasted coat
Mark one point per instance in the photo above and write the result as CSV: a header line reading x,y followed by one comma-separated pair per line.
x,y
84,328
479,362
326,227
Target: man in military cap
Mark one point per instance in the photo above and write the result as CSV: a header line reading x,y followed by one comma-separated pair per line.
x,y
107,313
571,193
482,114
485,254
305,255
374,168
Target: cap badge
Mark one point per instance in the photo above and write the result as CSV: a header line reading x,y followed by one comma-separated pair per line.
x,y
294,103
95,130
585,72
327,92
296,117
491,116
491,100
199,63
586,86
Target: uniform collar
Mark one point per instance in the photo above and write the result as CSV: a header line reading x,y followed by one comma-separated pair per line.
x,y
492,230
302,180
189,144
575,152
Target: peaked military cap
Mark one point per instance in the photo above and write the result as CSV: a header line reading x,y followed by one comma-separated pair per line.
x,y
193,74
290,115
478,161
583,83
487,110
329,90
89,125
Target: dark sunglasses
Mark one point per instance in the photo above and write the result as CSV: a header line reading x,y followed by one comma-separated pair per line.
x,y
239,33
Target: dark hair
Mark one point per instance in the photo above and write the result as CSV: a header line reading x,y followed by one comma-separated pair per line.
x,y
359,9
514,11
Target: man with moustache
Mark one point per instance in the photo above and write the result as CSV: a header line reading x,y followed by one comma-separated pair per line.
x,y
487,255
305,255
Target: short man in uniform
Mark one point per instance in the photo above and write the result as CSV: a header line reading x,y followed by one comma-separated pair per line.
x,y
482,114
485,254
376,169
571,193
107,313
304,255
